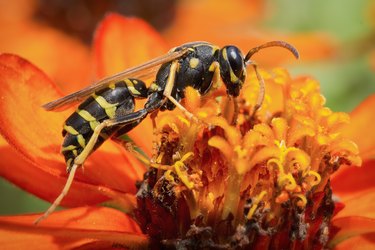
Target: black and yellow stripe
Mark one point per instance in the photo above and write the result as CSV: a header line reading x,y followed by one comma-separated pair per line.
x,y
108,103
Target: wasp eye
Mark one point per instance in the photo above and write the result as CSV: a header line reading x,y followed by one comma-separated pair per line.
x,y
236,60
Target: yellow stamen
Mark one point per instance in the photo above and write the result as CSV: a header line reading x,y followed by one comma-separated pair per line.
x,y
168,175
317,178
255,204
303,201
283,179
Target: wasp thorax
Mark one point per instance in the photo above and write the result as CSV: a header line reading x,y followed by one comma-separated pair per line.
x,y
233,69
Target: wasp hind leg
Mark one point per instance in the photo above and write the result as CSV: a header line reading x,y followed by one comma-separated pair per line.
x,y
63,193
132,118
130,146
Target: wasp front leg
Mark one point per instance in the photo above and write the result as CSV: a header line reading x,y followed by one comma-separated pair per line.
x,y
168,92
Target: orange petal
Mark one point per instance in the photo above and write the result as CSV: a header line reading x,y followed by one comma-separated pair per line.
x,y
20,171
350,182
73,228
24,123
362,204
47,48
35,134
358,129
361,242
121,43
350,227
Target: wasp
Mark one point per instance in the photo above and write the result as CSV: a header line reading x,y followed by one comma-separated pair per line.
x,y
107,107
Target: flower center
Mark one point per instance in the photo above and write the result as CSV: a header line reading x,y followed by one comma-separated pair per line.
x,y
262,183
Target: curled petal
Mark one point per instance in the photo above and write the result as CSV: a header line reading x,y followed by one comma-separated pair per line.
x,y
231,133
280,128
337,120
263,155
192,99
299,159
221,144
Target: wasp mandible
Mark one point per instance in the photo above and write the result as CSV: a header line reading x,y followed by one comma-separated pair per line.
x,y
107,108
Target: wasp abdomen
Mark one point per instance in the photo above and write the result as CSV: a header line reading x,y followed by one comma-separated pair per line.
x,y
108,103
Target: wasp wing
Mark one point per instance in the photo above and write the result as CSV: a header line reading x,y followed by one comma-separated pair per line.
x,y
142,71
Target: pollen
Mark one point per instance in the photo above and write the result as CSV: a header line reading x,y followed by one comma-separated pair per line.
x,y
263,178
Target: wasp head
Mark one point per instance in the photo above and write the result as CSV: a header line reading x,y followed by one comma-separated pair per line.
x,y
232,69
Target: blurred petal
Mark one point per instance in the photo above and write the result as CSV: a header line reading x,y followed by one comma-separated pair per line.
x,y
350,227
236,23
221,19
350,182
35,136
358,129
121,43
372,58
64,59
362,242
71,229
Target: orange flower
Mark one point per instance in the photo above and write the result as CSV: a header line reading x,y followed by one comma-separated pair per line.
x,y
264,181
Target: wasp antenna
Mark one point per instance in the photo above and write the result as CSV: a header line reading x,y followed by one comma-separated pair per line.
x,y
262,90
63,193
282,44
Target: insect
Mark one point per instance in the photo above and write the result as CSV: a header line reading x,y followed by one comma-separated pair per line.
x,y
107,107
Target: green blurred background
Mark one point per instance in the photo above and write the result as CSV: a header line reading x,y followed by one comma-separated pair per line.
x,y
347,78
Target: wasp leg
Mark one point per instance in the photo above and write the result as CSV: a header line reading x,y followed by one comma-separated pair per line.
x,y
168,91
235,111
132,119
63,193
130,147
215,67
261,89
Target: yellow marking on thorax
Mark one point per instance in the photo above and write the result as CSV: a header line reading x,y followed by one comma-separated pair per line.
x,y
70,130
112,85
233,77
214,49
193,63
224,53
